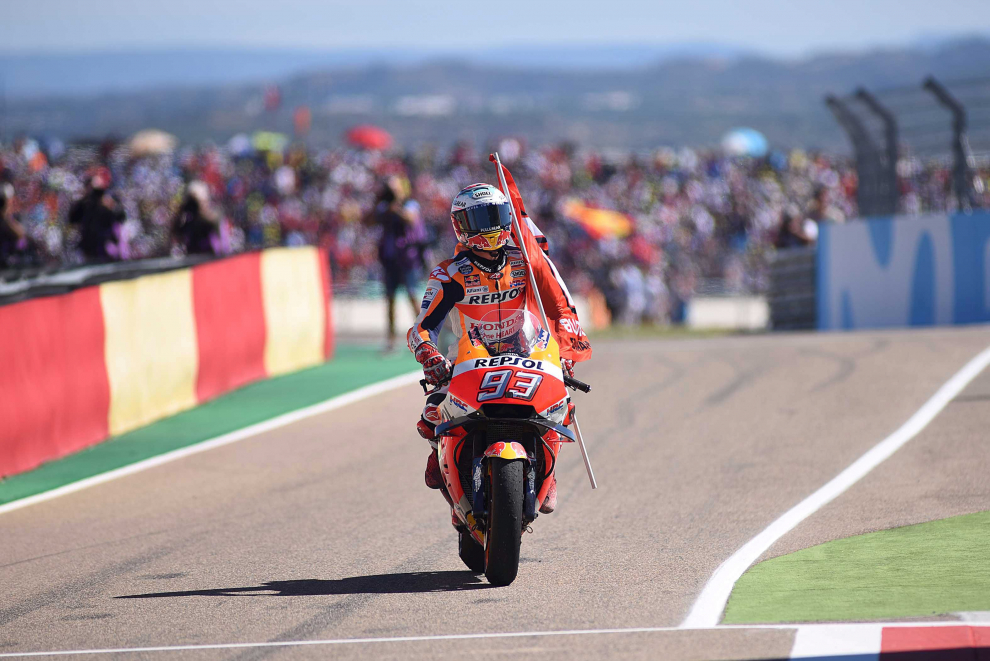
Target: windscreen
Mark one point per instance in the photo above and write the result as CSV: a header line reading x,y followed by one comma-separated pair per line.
x,y
515,333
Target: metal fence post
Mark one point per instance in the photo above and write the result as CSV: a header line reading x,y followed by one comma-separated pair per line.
x,y
889,192
962,158
868,167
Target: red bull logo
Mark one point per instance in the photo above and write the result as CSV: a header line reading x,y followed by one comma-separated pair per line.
x,y
492,240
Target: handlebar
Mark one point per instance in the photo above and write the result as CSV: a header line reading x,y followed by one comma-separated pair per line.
x,y
426,386
571,382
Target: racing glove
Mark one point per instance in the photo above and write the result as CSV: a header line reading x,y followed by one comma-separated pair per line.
x,y
436,368
567,365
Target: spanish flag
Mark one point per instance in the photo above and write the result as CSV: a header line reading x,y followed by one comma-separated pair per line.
x,y
598,223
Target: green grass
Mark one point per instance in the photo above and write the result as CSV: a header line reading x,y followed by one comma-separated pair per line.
x,y
921,570
352,367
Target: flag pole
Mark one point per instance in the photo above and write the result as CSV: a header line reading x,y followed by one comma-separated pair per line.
x,y
516,223
584,450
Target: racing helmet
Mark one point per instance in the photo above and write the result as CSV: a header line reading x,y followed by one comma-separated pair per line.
x,y
481,217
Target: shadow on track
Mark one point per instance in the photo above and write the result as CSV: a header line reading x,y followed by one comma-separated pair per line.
x,y
403,583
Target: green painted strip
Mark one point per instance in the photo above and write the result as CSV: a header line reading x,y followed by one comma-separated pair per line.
x,y
352,367
915,571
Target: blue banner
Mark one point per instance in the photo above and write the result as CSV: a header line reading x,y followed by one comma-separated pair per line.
x,y
904,271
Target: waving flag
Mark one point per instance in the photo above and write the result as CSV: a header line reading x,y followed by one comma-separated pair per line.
x,y
598,223
573,341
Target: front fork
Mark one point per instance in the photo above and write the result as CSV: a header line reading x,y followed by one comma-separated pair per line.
x,y
511,451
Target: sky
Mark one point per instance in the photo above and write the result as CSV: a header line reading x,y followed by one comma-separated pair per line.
x,y
790,28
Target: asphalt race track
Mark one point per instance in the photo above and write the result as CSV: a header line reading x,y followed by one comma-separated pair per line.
x,y
323,530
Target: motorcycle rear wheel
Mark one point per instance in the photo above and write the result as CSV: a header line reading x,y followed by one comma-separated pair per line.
x,y
471,552
505,508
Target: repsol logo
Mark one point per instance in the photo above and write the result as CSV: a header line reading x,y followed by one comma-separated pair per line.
x,y
494,297
516,361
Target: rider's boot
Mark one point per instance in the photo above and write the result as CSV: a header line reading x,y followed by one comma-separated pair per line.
x,y
550,501
426,426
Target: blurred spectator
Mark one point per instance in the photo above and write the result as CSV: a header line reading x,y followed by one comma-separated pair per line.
x,y
15,245
400,248
695,221
795,230
196,227
99,218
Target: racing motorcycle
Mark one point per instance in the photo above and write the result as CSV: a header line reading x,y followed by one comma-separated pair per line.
x,y
504,418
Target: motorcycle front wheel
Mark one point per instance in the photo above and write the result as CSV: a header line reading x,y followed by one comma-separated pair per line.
x,y
505,509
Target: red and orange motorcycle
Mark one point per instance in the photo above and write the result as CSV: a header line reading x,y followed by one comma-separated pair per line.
x,y
504,418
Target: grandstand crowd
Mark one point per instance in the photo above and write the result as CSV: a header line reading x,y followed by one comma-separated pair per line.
x,y
695,217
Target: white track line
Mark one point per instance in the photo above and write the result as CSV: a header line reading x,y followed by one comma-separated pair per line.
x,y
707,609
340,641
825,633
226,439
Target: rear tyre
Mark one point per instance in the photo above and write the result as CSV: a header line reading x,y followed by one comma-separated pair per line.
x,y
504,521
472,553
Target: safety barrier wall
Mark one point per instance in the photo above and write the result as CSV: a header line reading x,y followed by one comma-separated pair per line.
x,y
100,361
905,271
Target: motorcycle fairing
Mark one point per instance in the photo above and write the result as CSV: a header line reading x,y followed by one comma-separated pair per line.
x,y
449,447
467,422
535,380
530,380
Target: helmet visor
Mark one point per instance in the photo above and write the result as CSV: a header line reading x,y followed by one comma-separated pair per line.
x,y
483,218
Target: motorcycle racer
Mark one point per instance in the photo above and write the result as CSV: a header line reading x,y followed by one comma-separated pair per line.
x,y
487,274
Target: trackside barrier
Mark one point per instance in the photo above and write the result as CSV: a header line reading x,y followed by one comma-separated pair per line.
x,y
100,361
904,271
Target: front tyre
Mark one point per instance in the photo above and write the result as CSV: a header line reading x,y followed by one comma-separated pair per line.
x,y
505,509
470,551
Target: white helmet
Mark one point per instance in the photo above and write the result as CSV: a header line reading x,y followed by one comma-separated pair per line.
x,y
481,217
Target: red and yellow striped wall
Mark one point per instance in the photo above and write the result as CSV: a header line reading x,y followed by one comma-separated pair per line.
x,y
100,361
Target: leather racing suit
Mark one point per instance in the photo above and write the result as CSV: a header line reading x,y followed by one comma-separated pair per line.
x,y
474,287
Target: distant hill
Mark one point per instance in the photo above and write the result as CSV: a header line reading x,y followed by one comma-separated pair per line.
x,y
88,73
682,99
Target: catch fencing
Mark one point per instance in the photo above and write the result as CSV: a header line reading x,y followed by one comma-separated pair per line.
x,y
897,130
